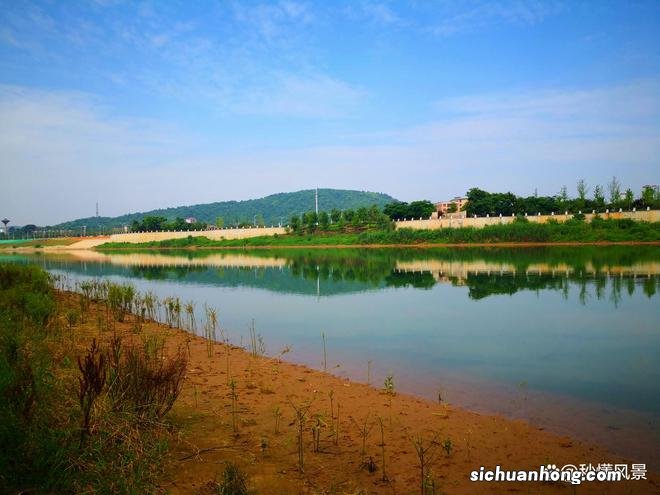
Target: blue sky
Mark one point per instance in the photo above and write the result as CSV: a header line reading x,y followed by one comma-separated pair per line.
x,y
140,105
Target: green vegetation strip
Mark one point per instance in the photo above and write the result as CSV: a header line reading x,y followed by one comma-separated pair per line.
x,y
71,423
598,230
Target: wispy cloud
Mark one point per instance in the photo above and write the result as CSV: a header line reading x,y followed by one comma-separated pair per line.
x,y
498,141
307,96
479,14
631,108
379,13
251,60
273,21
68,147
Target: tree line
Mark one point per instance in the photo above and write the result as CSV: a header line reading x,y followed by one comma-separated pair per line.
x,y
157,223
349,219
612,197
480,203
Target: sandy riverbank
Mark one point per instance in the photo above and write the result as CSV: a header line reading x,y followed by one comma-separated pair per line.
x,y
265,445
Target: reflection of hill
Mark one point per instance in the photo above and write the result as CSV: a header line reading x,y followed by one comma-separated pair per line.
x,y
325,272
307,280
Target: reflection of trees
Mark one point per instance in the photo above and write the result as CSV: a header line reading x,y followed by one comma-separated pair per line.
x,y
615,293
372,268
165,272
341,271
418,280
483,285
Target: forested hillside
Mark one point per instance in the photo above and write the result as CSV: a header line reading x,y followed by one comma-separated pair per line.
x,y
268,210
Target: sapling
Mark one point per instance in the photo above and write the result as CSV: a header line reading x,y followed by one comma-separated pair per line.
x,y
448,446
301,414
316,432
389,390
382,447
189,308
234,406
278,417
331,396
368,372
209,329
364,429
425,454
91,383
228,357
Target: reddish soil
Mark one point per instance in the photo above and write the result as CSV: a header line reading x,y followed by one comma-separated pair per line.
x,y
265,443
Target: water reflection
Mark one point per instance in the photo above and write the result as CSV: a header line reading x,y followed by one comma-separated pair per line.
x,y
593,272
578,326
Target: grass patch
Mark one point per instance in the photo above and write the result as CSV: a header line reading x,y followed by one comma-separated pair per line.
x,y
62,427
37,243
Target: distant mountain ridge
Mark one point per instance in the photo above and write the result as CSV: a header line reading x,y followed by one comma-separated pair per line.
x,y
272,208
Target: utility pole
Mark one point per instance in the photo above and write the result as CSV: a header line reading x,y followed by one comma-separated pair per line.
x,y
317,201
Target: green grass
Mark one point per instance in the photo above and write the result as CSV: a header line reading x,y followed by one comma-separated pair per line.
x,y
41,450
37,243
599,230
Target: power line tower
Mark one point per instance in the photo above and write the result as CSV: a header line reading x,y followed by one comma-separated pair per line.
x,y
97,209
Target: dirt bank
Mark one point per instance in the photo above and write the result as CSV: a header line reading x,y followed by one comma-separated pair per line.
x,y
265,441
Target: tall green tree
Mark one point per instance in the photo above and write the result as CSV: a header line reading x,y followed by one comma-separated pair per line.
x,y
294,223
650,196
153,223
324,220
630,197
599,196
582,190
310,219
335,215
614,190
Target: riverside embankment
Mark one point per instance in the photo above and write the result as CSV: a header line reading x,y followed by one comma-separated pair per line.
x,y
259,432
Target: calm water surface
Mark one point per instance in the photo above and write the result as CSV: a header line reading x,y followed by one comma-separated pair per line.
x,y
566,338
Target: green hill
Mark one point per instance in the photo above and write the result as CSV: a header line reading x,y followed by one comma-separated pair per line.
x,y
271,208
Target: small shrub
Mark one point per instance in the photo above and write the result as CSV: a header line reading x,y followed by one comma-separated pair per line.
x,y
143,382
91,383
233,482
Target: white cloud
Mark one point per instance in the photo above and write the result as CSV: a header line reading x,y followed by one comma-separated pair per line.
x,y
308,96
273,21
377,12
480,14
61,152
